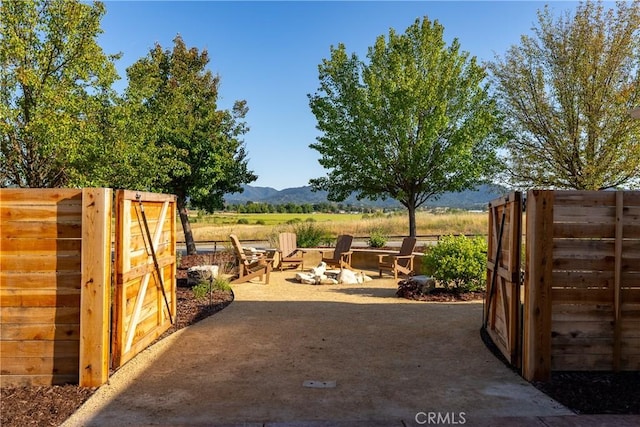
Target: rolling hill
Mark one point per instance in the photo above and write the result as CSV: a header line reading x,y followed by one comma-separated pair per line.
x,y
470,199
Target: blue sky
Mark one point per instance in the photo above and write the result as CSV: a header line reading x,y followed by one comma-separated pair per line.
x,y
268,54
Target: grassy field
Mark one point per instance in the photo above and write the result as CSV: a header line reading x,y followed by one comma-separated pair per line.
x,y
265,226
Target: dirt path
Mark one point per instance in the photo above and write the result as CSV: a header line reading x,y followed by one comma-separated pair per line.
x,y
391,360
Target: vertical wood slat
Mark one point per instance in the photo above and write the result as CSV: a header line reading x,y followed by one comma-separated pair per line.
x,y
617,306
122,240
96,286
536,363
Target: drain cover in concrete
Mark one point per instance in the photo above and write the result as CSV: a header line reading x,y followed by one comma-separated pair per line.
x,y
319,384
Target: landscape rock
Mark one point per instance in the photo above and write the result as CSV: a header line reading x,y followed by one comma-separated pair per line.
x,y
201,273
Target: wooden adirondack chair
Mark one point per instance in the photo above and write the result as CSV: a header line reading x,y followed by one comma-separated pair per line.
x,y
400,263
250,265
288,250
341,255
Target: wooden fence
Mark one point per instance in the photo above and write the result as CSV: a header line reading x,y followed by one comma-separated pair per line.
x,y
55,286
582,299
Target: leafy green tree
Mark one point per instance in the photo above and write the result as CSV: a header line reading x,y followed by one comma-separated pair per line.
x,y
174,98
567,92
54,90
414,122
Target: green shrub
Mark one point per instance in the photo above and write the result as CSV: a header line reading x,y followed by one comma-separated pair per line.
x,y
221,284
201,290
309,235
204,288
243,221
458,262
260,222
377,239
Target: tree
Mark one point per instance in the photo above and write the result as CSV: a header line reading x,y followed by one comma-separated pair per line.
x,y
567,92
174,99
54,88
413,123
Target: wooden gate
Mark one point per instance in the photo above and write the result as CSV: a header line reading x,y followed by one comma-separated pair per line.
x,y
502,315
145,271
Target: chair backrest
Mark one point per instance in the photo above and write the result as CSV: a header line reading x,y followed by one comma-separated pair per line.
x,y
343,244
287,243
238,248
408,245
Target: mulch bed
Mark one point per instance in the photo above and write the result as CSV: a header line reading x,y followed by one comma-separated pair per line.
x,y
411,290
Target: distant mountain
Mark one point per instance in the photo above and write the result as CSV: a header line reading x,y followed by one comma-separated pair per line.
x,y
470,199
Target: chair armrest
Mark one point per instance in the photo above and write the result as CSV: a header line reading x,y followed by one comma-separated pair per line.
x,y
402,256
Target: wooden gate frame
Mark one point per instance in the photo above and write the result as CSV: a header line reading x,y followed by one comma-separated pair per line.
x,y
135,268
502,314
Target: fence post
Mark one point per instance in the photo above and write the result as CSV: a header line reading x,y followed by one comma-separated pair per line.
x,y
96,286
536,357
617,282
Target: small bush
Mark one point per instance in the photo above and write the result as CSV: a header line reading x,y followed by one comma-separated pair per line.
x,y
204,288
377,239
260,222
458,262
221,284
243,221
309,235
201,290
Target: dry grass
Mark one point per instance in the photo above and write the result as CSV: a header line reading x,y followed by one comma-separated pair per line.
x,y
357,225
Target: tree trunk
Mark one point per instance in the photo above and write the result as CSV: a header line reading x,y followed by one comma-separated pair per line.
x,y
412,219
186,227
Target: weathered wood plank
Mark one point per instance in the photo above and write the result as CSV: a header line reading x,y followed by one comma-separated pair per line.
x,y
41,213
40,298
577,329
39,365
37,380
582,279
579,198
147,268
31,315
47,332
52,349
38,247
586,231
148,197
48,280
584,214
34,196
584,362
43,263
583,296
44,230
